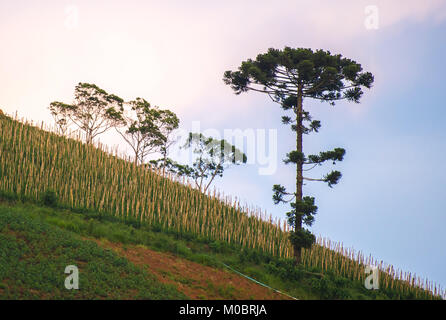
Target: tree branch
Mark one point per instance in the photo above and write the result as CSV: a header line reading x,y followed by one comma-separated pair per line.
x,y
310,179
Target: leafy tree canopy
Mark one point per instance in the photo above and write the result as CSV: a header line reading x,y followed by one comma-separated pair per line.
x,y
147,128
321,75
94,111
212,157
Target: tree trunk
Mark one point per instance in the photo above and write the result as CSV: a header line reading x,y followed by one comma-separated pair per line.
x,y
137,152
164,160
299,179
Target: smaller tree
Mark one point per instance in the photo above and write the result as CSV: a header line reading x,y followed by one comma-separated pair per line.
x,y
59,111
169,165
167,122
212,158
94,110
147,129
140,132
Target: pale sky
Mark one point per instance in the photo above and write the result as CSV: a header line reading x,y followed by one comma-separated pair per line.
x,y
390,201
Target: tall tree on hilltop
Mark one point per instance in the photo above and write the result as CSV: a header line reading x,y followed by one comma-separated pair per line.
x,y
94,110
288,76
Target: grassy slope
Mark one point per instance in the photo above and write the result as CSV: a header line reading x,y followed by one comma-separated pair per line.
x,y
36,261
34,254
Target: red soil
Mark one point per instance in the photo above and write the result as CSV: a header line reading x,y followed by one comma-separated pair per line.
x,y
196,281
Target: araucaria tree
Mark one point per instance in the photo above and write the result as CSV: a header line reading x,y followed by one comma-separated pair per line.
x,y
147,129
94,110
288,77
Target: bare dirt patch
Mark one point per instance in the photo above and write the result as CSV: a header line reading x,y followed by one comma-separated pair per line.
x,y
194,280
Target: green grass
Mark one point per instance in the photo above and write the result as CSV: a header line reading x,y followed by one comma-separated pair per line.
x,y
280,274
34,254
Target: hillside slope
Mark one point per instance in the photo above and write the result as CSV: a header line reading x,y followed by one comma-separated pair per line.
x,y
34,161
99,195
195,280
37,242
34,252
34,255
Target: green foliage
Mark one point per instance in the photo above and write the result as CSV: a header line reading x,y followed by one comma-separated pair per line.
x,y
303,210
279,192
182,170
49,198
302,238
324,76
34,254
336,155
94,111
253,256
330,289
332,178
147,129
295,157
220,247
212,158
